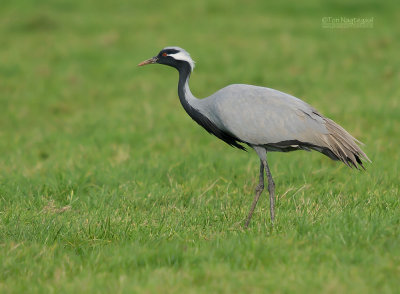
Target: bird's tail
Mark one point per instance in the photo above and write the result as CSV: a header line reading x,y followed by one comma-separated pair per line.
x,y
340,145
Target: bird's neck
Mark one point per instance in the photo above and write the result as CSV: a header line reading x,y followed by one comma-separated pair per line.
x,y
188,101
197,109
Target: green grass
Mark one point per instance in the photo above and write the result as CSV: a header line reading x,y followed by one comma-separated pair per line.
x,y
106,185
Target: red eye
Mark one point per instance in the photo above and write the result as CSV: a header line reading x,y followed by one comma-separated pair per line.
x,y
164,54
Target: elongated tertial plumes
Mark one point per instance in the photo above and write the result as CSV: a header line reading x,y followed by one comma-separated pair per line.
x,y
343,145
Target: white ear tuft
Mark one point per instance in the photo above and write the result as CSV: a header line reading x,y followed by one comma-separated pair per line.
x,y
184,56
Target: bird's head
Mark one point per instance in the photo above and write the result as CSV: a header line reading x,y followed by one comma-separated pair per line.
x,y
172,56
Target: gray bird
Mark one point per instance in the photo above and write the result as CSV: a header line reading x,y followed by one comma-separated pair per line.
x,y
263,119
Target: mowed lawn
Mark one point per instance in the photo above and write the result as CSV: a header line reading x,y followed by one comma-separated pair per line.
x,y
107,186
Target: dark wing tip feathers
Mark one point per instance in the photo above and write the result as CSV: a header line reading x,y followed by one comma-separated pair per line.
x,y
344,146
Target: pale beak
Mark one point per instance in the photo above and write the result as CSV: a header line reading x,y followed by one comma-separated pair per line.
x,y
148,61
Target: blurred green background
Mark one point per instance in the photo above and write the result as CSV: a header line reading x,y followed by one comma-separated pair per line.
x,y
107,185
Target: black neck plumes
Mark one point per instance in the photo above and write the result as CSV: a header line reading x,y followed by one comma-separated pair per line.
x,y
183,87
186,98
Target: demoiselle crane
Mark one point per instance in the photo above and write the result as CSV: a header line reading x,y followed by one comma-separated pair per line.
x,y
263,119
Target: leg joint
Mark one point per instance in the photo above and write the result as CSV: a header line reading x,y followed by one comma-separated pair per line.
x,y
260,188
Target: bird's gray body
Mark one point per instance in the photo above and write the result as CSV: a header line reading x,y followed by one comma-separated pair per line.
x,y
262,116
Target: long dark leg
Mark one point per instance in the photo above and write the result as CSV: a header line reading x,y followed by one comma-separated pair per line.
x,y
259,190
271,190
